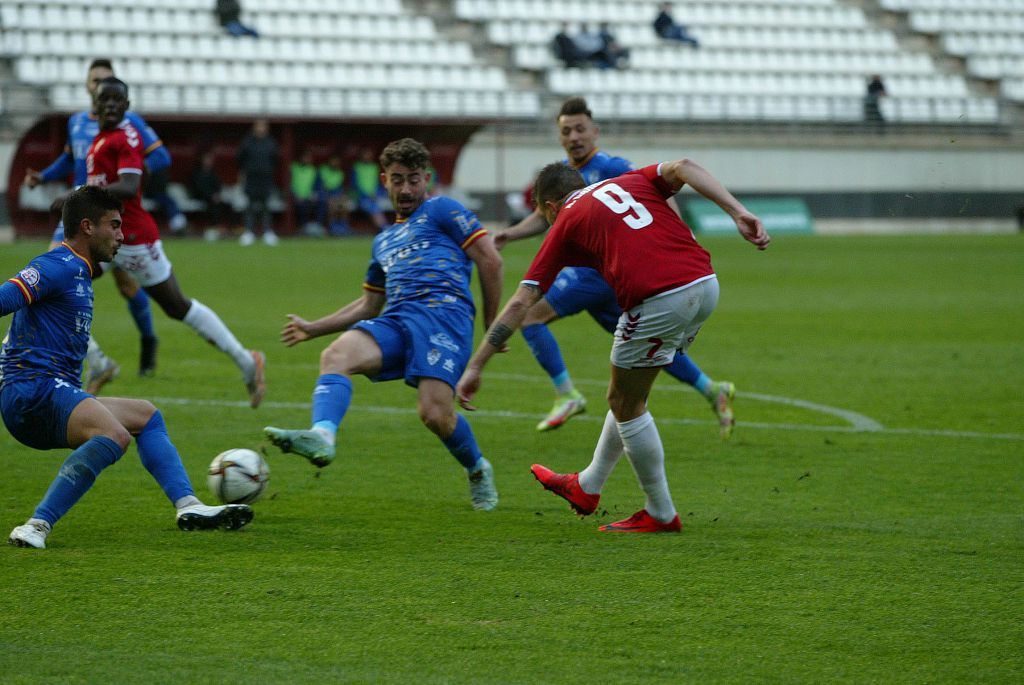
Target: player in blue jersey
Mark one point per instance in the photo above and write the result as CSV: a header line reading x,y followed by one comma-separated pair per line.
x,y
414,320
41,399
82,129
579,289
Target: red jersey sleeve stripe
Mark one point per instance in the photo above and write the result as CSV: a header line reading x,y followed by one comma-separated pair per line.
x,y
129,170
24,288
373,288
473,238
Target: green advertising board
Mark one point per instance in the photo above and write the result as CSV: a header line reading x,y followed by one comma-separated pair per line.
x,y
779,215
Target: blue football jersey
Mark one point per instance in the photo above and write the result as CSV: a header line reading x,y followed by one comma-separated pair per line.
x,y
423,258
49,332
83,128
601,166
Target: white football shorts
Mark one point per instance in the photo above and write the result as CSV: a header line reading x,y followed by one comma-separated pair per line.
x,y
147,263
649,334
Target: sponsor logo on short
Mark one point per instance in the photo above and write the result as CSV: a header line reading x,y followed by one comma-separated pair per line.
x,y
445,341
433,357
449,365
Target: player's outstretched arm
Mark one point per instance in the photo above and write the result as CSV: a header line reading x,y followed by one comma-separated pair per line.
x,y
530,226
490,269
700,179
508,321
299,330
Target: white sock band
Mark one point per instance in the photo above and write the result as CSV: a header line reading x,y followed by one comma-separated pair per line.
x,y
210,328
643,447
606,456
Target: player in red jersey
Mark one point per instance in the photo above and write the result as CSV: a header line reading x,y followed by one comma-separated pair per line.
x,y
114,161
664,282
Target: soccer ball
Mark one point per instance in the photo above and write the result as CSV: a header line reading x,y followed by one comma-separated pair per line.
x,y
238,476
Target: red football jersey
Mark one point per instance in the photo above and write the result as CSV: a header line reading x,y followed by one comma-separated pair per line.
x,y
120,152
623,228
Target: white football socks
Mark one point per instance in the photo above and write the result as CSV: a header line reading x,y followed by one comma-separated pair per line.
x,y
647,455
208,325
606,456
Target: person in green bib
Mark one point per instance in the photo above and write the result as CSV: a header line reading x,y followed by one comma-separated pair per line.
x,y
305,180
370,194
332,186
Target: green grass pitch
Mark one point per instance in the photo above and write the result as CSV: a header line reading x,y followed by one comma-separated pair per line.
x,y
865,524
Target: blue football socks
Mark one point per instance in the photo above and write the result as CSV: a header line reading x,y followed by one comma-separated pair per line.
x,y
683,368
161,459
462,444
548,354
76,476
139,307
331,397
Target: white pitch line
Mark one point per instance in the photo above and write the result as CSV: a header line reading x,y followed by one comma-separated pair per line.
x,y
594,418
858,422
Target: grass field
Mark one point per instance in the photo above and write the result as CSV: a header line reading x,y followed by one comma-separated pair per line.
x,y
865,524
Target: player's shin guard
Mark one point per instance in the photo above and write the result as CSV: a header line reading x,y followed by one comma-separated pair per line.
x,y
331,398
142,314
160,457
545,349
647,455
683,369
210,328
76,476
462,444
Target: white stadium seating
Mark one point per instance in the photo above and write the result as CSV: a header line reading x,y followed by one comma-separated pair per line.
x,y
799,60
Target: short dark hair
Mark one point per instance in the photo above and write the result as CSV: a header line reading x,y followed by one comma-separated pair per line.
x,y
87,202
554,182
112,81
407,152
575,105
100,62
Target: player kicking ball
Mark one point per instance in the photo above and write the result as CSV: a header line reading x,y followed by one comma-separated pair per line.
x,y
41,399
414,320
623,228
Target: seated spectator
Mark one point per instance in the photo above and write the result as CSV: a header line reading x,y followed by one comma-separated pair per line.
x,y
616,55
304,185
371,197
666,27
229,15
207,187
872,97
565,48
332,188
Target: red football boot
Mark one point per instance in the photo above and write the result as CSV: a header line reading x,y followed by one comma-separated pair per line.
x,y
642,522
566,486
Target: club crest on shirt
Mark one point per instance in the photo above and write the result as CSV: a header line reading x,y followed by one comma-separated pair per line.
x,y
29,275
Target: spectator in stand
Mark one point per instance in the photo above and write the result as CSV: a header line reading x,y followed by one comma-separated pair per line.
x,y
257,159
229,15
208,189
872,98
332,186
370,194
305,183
155,189
616,55
666,27
566,49
591,47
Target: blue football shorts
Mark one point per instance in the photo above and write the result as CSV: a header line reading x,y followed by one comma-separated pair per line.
x,y
418,341
578,289
36,411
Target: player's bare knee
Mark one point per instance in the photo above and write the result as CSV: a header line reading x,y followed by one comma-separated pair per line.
x,y
120,435
437,419
334,359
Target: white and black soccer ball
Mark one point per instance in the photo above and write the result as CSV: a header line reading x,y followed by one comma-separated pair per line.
x,y
238,476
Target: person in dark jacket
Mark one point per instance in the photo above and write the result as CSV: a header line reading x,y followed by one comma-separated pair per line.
x,y
257,159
